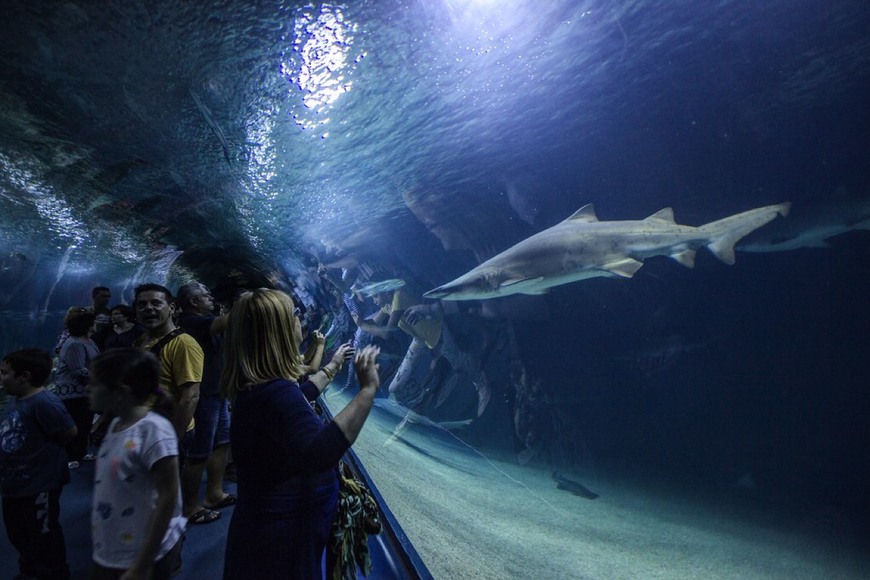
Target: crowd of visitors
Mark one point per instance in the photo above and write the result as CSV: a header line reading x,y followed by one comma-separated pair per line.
x,y
175,391
147,387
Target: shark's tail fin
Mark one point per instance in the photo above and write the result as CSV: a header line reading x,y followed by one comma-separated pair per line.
x,y
723,234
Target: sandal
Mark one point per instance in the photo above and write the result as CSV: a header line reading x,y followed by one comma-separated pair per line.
x,y
204,516
228,500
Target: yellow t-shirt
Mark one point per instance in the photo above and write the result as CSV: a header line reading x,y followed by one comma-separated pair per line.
x,y
428,329
181,361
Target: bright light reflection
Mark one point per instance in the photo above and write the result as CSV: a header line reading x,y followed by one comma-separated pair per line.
x,y
52,209
261,163
322,43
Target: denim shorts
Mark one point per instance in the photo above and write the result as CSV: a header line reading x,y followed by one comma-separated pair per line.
x,y
212,428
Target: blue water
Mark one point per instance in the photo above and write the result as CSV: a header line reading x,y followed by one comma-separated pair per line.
x,y
168,141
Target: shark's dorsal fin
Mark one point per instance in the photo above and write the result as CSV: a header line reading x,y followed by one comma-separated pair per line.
x,y
663,215
584,214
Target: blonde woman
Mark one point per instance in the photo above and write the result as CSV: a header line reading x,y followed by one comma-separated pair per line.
x,y
285,456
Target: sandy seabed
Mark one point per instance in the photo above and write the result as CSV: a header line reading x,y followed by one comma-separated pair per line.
x,y
475,516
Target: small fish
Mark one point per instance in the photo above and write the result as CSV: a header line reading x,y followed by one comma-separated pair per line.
x,y
382,286
574,487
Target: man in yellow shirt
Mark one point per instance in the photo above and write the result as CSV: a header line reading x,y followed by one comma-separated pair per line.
x,y
181,363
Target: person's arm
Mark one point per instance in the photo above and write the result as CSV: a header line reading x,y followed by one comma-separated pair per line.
x,y
415,314
184,408
314,354
165,473
76,359
324,376
65,437
56,422
379,326
351,419
219,324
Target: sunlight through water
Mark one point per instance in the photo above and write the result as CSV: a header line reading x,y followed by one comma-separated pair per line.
x,y
322,47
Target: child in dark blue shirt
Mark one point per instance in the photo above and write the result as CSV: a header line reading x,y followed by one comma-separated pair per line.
x,y
33,464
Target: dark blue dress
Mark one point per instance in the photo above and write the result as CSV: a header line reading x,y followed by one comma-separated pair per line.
x,y
286,460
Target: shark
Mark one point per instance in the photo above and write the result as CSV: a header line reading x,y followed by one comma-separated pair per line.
x,y
665,355
811,226
583,247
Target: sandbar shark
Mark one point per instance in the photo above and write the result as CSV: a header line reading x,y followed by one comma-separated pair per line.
x,y
811,227
582,247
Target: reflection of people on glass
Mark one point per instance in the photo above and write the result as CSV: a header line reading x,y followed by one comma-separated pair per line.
x,y
427,333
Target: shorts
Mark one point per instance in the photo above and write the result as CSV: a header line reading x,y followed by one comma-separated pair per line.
x,y
212,417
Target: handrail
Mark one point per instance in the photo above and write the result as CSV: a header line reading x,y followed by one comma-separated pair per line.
x,y
392,538
397,548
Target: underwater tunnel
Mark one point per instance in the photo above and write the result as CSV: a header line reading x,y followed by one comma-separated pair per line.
x,y
625,246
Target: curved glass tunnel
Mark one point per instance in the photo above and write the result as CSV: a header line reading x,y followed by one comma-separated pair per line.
x,y
631,392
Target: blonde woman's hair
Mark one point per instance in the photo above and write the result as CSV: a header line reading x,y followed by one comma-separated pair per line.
x,y
259,342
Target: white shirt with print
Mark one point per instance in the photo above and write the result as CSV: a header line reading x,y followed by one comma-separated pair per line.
x,y
124,491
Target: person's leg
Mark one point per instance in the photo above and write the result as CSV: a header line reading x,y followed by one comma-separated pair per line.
x,y
230,471
463,362
80,410
215,465
191,480
48,539
17,513
197,449
167,565
405,374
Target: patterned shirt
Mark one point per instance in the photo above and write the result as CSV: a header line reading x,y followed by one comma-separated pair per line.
x,y
124,491
31,458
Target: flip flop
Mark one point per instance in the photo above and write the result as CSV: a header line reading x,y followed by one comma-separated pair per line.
x,y
228,500
204,516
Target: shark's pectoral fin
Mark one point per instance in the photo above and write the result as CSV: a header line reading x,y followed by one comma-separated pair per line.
x,y
624,268
685,257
